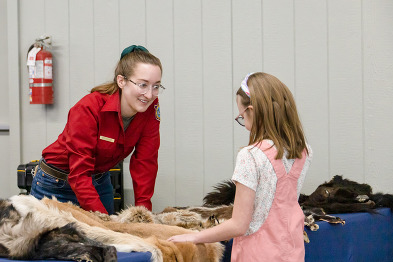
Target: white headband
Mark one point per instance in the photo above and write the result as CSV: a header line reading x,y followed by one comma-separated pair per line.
x,y
244,85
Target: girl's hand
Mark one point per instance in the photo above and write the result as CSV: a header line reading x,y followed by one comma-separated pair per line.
x,y
183,238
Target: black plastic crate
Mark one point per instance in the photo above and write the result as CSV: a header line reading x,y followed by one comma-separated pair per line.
x,y
118,186
25,175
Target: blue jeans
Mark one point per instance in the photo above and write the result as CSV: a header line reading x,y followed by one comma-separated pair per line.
x,y
46,185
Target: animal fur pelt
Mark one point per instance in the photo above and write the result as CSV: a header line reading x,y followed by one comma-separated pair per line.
x,y
32,243
223,194
195,218
137,221
170,216
341,195
336,196
208,216
32,221
25,221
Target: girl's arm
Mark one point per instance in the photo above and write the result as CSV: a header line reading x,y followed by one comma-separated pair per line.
x,y
236,226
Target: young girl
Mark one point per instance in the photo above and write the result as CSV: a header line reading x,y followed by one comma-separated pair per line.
x,y
102,129
267,222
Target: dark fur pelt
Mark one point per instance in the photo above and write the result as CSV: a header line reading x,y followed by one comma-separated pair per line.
x,y
339,195
43,229
67,243
224,194
382,200
61,243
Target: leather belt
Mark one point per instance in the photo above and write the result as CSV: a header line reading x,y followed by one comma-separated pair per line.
x,y
58,173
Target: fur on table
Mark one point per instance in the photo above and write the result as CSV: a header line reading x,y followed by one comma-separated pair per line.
x,y
47,228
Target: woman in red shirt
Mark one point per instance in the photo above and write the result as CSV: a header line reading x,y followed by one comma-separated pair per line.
x,y
103,128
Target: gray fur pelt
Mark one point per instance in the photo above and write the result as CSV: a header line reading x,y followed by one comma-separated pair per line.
x,y
24,220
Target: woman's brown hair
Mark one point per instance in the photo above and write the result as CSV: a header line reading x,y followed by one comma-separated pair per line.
x,y
275,115
125,67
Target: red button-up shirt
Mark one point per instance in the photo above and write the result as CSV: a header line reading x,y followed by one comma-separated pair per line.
x,y
93,141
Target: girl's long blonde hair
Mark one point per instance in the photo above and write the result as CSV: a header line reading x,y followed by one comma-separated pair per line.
x,y
125,67
275,115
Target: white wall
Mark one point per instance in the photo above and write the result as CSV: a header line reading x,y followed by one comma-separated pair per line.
x,y
4,105
335,56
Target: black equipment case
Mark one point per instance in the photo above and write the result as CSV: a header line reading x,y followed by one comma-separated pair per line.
x,y
25,178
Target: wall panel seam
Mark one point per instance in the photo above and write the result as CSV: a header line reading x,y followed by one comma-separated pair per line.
x,y
233,81
362,79
328,85
203,100
232,84
262,40
69,52
174,95
294,47
14,75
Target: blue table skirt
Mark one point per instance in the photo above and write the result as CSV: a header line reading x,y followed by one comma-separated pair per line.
x,y
364,237
121,257
134,256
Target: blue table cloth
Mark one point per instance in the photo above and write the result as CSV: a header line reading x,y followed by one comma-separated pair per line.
x,y
364,237
121,257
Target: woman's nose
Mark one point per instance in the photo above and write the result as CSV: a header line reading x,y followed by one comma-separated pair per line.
x,y
149,93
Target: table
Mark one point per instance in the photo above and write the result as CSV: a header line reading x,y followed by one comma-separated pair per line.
x,y
121,257
364,237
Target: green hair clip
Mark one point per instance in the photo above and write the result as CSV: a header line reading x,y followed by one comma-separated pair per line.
x,y
133,48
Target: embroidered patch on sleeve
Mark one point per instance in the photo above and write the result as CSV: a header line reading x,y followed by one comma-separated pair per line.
x,y
157,107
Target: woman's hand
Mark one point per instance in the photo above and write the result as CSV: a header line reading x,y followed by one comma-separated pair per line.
x,y
184,238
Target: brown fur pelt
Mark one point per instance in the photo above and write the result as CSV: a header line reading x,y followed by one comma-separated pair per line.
x,y
139,222
208,216
195,218
26,222
174,217
20,238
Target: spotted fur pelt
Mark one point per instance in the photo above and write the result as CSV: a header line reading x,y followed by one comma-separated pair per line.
x,y
194,218
23,240
28,225
30,228
140,222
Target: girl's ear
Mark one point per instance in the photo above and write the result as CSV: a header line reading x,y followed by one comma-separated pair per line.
x,y
121,81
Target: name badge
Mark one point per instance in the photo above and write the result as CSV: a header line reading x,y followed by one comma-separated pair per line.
x,y
107,139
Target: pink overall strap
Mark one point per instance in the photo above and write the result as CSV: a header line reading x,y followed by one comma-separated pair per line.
x,y
278,165
271,152
297,167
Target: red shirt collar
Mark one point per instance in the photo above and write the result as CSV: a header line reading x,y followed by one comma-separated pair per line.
x,y
112,103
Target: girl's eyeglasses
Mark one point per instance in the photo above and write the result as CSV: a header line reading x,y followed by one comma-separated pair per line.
x,y
240,118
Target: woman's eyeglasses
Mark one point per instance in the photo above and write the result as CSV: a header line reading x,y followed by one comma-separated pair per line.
x,y
144,88
240,118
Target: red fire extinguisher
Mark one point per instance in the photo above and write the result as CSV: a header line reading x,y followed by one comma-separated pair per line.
x,y
39,62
